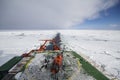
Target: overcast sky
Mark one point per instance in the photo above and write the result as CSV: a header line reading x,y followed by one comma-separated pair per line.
x,y
59,14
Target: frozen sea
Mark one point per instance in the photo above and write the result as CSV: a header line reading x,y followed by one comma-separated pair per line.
x,y
100,47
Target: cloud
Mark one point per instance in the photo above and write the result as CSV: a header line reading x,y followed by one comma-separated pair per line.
x,y
114,25
42,14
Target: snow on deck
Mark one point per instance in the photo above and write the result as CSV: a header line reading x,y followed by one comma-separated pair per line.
x,y
72,71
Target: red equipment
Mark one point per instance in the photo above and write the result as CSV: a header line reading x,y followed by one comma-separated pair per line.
x,y
43,47
28,54
57,63
25,55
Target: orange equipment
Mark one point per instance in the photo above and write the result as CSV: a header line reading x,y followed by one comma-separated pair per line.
x,y
28,54
25,55
43,47
57,63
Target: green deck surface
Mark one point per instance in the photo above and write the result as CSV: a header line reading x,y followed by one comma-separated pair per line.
x,y
89,68
8,65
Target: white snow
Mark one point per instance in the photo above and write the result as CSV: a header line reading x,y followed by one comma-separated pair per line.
x,y
14,43
101,47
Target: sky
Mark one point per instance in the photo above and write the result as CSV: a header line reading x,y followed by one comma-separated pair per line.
x,y
59,14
